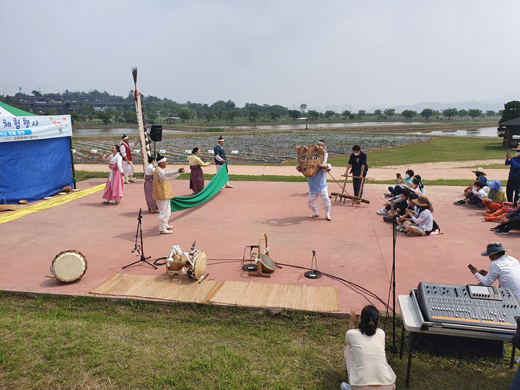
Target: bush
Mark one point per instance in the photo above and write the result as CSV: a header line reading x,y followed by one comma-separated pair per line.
x,y
214,130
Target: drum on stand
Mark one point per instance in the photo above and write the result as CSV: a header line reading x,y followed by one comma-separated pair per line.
x,y
200,265
68,266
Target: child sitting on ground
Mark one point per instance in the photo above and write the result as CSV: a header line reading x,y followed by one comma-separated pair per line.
x,y
480,176
479,192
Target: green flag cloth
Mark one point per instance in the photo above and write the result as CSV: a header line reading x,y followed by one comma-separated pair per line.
x,y
185,202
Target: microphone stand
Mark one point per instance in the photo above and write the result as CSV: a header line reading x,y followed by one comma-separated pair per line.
x,y
393,348
140,248
313,274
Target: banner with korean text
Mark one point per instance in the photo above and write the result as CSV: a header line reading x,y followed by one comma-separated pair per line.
x,y
29,128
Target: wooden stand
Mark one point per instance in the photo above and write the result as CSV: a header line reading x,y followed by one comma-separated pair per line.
x,y
264,262
344,194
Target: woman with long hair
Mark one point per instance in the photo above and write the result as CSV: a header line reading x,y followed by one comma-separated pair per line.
x,y
114,186
365,354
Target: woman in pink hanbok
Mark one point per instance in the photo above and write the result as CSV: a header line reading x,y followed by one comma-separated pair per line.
x,y
114,186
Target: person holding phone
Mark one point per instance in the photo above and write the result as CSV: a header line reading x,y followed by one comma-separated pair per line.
x,y
504,268
408,177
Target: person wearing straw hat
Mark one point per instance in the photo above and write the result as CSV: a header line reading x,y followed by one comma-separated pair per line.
x,y
162,193
220,156
421,223
126,153
504,268
513,180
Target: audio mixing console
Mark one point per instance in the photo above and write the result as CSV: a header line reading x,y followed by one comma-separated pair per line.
x,y
470,307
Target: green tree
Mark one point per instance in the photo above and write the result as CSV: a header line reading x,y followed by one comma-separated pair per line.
x,y
346,114
231,115
253,115
150,115
408,114
463,112
389,111
51,112
378,112
75,116
313,114
490,113
209,115
274,115
295,114
129,117
426,113
36,93
474,113
450,112
104,116
328,114
184,113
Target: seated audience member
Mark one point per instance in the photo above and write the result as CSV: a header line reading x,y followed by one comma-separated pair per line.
x,y
421,223
507,207
511,221
416,187
394,191
496,197
480,191
420,185
411,206
480,176
365,357
504,268
398,207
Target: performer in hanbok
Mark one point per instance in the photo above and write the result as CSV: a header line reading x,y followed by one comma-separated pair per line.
x,y
220,156
312,162
148,186
114,186
196,175
126,153
162,193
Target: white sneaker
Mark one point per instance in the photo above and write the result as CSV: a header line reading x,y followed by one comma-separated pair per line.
x,y
382,212
131,180
169,227
229,186
328,218
165,232
345,386
105,201
314,215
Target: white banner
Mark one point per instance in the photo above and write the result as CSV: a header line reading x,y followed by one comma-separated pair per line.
x,y
27,128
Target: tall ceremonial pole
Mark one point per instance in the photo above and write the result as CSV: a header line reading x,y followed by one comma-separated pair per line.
x,y
138,112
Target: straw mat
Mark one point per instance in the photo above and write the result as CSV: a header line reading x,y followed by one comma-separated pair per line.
x,y
248,294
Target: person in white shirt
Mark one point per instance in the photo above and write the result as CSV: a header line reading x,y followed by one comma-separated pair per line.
x,y
504,268
480,191
162,193
365,357
421,223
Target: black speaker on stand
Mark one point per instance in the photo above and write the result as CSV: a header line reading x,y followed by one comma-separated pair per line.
x,y
156,135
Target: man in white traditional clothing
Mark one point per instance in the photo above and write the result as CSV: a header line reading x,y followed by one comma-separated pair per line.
x,y
126,153
162,193
220,157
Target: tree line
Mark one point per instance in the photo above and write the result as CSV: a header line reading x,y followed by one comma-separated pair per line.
x,y
155,108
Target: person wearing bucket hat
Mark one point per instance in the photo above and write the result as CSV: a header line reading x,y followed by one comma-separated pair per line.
x,y
513,180
496,197
421,223
504,268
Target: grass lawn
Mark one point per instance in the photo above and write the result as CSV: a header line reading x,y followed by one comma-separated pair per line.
x,y
87,343
434,150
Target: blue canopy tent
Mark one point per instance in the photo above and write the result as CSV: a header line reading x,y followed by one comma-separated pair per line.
x,y
35,155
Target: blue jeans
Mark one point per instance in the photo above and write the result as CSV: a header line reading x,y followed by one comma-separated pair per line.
x,y
515,385
395,190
